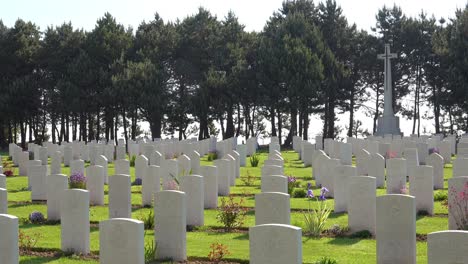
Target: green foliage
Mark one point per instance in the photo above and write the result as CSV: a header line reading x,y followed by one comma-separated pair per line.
x,y
212,156
440,196
231,213
148,220
299,193
150,251
132,161
249,179
326,260
254,160
315,219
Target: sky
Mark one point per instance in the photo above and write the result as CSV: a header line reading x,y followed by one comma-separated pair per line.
x,y
253,14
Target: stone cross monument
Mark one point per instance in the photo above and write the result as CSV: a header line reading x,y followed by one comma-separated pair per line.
x,y
388,123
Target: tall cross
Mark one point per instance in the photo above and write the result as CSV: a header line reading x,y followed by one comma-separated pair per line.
x,y
387,56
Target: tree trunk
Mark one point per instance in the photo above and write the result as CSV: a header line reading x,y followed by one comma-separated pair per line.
x,y
125,129
351,113
376,116
272,120
280,127
229,122
305,134
98,124
239,121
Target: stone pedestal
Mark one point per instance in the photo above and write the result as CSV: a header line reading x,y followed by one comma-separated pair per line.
x,y
388,125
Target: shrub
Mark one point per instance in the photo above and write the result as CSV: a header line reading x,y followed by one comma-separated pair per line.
x,y
218,251
27,242
292,183
36,217
147,220
459,206
231,213
77,181
299,193
326,260
315,219
440,196
132,161
137,182
212,156
254,160
248,180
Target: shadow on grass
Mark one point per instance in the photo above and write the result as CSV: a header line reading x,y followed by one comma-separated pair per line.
x,y
242,237
343,241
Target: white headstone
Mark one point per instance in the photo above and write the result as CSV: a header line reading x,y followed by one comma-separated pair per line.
x,y
460,167
341,175
95,184
194,161
184,165
122,166
38,179
361,204
170,213
151,184
274,183
141,163
9,250
412,161
121,241
56,163
377,169
275,244
77,166
396,176
3,201
67,155
268,170
272,208
447,247
102,161
210,181
74,221
422,188
456,217
120,196
56,184
396,229
193,187
223,166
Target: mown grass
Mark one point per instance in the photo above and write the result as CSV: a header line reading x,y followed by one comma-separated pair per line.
x,y
344,250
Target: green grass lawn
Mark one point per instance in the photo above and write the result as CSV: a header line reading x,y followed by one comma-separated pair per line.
x,y
343,249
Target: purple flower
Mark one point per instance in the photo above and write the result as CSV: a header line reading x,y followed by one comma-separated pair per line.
x,y
137,181
291,179
36,217
323,191
434,150
77,180
309,185
310,194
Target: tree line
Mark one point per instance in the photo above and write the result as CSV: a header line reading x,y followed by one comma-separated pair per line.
x,y
182,77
